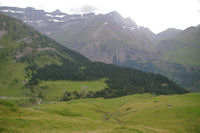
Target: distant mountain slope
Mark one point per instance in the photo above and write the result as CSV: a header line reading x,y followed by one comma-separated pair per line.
x,y
177,58
168,34
190,36
28,57
183,48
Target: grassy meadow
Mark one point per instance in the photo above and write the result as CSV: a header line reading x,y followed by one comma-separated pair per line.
x,y
53,90
139,113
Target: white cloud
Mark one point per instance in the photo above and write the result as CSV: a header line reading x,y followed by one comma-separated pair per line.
x,y
84,9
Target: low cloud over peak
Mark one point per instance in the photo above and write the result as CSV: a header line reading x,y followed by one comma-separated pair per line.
x,y
84,9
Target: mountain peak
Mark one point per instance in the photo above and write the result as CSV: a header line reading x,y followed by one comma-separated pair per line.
x,y
30,8
115,16
121,20
191,28
114,13
168,33
57,12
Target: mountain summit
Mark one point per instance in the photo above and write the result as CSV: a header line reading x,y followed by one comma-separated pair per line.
x,y
57,12
168,33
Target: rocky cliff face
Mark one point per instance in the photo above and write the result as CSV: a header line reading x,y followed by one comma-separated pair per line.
x,y
45,22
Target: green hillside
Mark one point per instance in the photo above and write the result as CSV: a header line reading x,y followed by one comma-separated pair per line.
x,y
177,58
182,51
183,48
139,113
53,90
168,34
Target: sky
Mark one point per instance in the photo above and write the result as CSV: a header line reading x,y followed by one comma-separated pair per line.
x,y
157,15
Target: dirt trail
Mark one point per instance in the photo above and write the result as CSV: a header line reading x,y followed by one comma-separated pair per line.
x,y
5,97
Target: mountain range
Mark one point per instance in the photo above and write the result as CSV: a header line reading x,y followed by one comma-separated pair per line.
x,y
30,60
112,39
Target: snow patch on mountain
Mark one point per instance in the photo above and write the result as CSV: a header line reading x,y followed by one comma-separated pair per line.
x,y
129,27
28,21
12,11
49,15
55,20
60,16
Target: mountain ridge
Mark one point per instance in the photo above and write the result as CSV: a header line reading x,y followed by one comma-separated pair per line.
x,y
168,33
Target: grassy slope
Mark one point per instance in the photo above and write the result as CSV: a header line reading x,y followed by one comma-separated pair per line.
x,y
12,78
186,52
140,113
184,55
55,89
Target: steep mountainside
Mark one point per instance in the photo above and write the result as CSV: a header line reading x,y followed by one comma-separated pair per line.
x,y
107,38
183,48
28,58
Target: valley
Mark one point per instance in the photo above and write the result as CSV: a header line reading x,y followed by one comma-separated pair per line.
x,y
96,73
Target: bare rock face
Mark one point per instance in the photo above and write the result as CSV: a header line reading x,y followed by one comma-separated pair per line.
x,y
26,40
24,52
45,49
